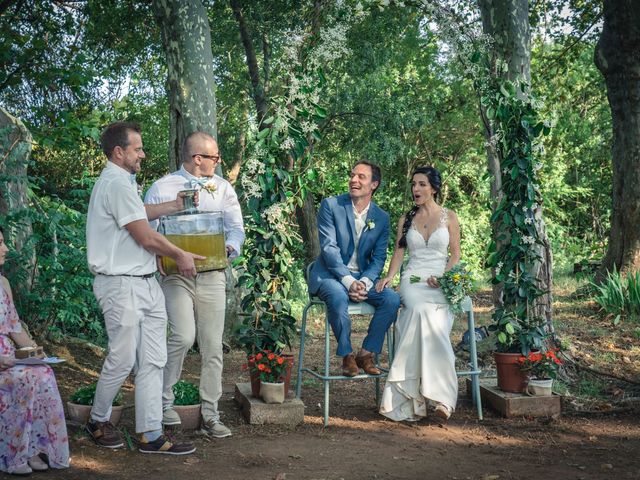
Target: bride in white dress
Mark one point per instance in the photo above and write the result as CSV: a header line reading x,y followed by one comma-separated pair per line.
x,y
423,369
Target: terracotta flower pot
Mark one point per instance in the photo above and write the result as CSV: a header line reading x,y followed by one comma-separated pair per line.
x,y
272,392
510,377
189,415
80,413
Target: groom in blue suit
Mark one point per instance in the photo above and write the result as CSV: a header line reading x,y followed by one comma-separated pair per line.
x,y
354,234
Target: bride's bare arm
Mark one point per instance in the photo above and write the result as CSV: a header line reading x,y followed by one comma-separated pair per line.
x,y
454,241
396,259
21,339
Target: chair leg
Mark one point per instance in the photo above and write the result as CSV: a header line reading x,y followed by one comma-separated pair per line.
x,y
473,353
303,332
327,353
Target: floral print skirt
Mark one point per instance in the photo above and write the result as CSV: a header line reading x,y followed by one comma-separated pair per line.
x,y
31,417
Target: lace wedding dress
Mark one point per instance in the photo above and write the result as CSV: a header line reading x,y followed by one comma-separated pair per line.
x,y
423,368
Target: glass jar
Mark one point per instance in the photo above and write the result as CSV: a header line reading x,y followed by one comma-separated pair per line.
x,y
200,233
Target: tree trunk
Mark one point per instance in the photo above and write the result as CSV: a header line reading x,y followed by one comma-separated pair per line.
x,y
186,37
617,56
307,218
507,22
15,149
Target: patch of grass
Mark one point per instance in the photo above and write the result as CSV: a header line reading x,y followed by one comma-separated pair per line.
x,y
598,332
607,357
568,282
590,388
560,387
619,296
311,382
636,333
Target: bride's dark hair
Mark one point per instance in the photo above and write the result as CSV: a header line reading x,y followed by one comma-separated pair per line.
x,y
435,181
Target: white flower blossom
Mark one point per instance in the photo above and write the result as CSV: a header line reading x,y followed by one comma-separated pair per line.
x,y
528,239
528,221
251,188
287,144
307,127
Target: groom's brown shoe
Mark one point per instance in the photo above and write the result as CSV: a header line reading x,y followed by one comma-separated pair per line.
x,y
349,367
365,362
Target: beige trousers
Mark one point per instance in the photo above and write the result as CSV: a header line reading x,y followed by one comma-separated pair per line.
x,y
196,306
136,323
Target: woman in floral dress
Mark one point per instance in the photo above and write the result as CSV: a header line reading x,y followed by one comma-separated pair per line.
x,y
32,425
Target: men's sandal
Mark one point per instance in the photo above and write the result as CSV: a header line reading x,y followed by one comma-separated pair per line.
x,y
165,446
104,434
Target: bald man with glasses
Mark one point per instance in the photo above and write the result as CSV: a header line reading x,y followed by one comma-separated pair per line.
x,y
196,306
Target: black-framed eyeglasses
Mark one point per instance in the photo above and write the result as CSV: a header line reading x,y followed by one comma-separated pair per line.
x,y
215,158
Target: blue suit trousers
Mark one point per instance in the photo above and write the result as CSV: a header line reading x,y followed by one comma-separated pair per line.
x,y
336,298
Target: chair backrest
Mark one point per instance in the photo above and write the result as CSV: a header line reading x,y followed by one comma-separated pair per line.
x,y
466,304
308,270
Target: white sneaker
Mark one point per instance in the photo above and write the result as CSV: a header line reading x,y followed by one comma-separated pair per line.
x,y
170,417
23,469
37,464
214,429
443,411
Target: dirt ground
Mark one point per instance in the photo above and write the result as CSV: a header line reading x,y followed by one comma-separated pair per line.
x,y
359,443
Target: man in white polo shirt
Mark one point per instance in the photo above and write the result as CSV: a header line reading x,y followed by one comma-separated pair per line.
x,y
121,252
197,305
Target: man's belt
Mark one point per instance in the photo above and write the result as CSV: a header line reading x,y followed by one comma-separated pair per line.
x,y
146,275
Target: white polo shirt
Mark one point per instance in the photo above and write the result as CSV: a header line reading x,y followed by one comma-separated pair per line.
x,y
223,199
111,250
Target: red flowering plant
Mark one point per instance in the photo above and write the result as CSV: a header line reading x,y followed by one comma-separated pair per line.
x,y
541,365
270,366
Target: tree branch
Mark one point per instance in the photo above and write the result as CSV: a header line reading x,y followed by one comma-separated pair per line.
x,y
252,62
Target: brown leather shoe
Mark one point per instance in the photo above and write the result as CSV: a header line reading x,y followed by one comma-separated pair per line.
x,y
365,362
349,367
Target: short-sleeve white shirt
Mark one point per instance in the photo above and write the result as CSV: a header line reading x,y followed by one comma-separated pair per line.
x,y
114,203
223,199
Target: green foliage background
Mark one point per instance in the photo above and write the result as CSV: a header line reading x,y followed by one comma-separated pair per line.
x,y
398,98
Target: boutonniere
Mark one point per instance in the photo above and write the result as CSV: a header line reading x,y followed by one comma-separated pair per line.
x,y
207,184
371,224
210,186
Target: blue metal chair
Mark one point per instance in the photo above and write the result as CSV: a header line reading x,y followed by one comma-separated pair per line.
x,y
361,308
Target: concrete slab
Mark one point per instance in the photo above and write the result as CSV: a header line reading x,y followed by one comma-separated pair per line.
x,y
511,405
256,412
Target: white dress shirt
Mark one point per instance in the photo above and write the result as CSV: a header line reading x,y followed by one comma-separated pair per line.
x,y
359,221
111,250
224,199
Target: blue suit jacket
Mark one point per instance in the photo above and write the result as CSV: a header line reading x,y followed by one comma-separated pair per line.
x,y
336,229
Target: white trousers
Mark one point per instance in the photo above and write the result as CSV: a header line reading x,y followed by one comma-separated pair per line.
x,y
136,323
196,306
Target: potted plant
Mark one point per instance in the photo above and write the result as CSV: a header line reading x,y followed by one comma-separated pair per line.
x,y
266,333
81,401
187,404
542,369
270,367
515,252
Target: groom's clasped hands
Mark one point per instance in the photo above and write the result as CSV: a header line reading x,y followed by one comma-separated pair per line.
x,y
358,291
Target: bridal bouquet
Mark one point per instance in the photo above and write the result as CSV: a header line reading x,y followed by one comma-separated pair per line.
x,y
456,284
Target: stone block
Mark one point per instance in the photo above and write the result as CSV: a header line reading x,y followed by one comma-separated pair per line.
x,y
511,405
256,412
